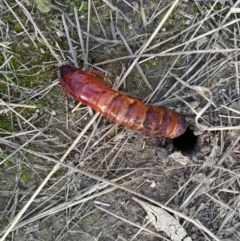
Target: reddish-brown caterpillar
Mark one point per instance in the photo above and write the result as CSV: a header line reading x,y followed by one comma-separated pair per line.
x,y
119,108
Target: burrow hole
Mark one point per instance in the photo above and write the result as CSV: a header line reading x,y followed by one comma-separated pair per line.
x,y
186,142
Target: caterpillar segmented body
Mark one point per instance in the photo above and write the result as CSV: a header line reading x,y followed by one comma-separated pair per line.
x,y
119,108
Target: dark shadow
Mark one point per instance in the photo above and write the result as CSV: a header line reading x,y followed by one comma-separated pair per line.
x,y
186,142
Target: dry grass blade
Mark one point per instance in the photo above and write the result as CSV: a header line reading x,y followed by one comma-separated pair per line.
x,y
6,62
88,28
235,10
72,52
80,37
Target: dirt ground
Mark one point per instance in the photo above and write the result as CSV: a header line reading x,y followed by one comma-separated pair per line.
x,y
67,174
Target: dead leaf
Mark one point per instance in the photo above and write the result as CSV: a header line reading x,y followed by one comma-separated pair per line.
x,y
163,221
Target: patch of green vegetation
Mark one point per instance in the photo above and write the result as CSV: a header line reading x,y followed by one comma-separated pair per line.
x,y
6,125
84,6
4,222
8,161
218,6
70,4
173,15
182,25
9,17
64,44
43,5
59,173
4,122
143,91
194,7
17,27
27,55
32,146
26,173
10,79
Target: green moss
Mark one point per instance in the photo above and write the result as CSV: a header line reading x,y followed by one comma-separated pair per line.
x,y
4,122
195,9
26,173
59,173
84,7
14,63
218,6
173,15
182,25
17,27
4,221
11,80
9,17
6,125
64,44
